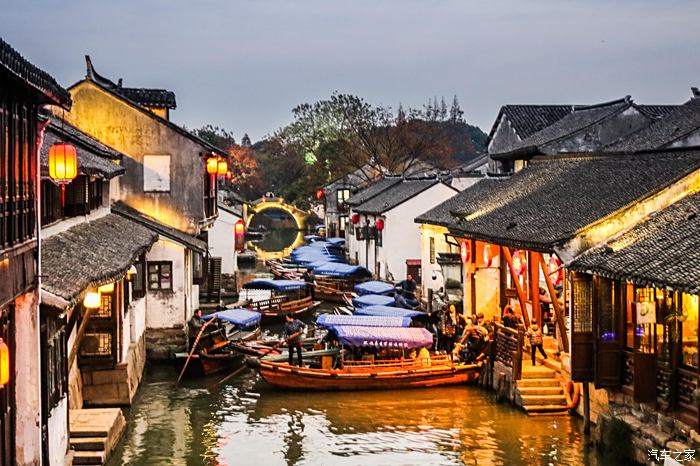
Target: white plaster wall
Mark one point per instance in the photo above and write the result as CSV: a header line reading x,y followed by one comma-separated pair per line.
x,y
401,238
428,269
166,309
464,182
137,319
222,240
58,432
27,379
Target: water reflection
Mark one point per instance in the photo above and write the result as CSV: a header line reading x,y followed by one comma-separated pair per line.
x,y
278,243
247,422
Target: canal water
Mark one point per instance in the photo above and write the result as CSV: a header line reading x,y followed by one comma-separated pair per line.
x,y
244,421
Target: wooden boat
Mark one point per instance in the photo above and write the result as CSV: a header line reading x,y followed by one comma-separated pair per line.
x,y
367,375
435,370
215,352
285,297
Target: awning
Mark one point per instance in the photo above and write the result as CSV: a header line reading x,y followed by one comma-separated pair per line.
x,y
342,270
386,311
374,287
332,320
240,317
278,285
91,254
372,300
384,337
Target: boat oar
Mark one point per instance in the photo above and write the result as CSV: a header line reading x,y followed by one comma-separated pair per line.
x,y
231,375
194,347
279,343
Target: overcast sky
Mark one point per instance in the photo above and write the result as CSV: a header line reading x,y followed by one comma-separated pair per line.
x,y
243,65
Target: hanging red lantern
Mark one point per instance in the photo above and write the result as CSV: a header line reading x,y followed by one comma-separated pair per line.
x,y
519,262
556,271
229,175
488,255
212,165
380,224
239,235
320,194
355,219
465,251
221,167
63,166
4,363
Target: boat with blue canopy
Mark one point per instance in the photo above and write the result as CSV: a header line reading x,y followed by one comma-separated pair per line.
x,y
373,300
374,287
241,318
387,311
334,320
277,298
384,337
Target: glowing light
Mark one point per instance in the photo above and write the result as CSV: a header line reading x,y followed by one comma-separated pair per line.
x,y
63,163
212,165
108,288
465,251
222,167
519,262
4,363
380,224
91,300
239,235
131,272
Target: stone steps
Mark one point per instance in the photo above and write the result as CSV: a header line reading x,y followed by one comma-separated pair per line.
x,y
88,443
89,457
527,383
541,390
548,400
94,433
545,409
530,372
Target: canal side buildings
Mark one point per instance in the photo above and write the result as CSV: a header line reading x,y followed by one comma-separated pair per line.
x,y
167,188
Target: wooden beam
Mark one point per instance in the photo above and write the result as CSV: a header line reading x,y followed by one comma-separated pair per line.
x,y
534,268
521,293
561,323
78,337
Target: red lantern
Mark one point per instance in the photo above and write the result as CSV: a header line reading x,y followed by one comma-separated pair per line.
x,y
212,165
488,255
556,272
519,262
320,194
221,167
63,166
229,175
355,219
380,224
4,363
465,251
239,235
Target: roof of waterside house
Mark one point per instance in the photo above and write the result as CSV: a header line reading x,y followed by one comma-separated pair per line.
x,y
683,120
442,215
548,202
16,64
111,88
397,195
163,230
373,190
579,119
662,251
157,98
236,210
91,254
526,120
94,158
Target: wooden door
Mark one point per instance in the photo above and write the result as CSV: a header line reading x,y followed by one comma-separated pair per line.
x,y
582,350
607,315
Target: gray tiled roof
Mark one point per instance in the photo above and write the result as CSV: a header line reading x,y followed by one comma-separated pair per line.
x,y
656,111
13,62
554,197
160,228
442,214
159,98
662,251
373,190
94,158
526,120
682,120
575,121
92,254
396,195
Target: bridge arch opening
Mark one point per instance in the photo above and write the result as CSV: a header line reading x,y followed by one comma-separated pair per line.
x,y
272,205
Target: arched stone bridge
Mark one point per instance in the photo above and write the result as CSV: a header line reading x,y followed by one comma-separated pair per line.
x,y
265,203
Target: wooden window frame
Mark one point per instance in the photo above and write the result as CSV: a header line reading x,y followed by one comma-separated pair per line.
x,y
159,266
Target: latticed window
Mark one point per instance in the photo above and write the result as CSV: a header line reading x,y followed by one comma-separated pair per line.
x,y
583,306
96,344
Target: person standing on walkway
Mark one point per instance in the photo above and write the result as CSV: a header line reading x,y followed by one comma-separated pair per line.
x,y
534,335
294,329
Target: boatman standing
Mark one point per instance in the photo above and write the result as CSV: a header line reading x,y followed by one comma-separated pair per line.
x,y
310,279
294,329
195,326
408,291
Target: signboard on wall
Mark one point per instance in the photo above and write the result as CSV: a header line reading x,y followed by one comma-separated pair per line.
x,y
646,312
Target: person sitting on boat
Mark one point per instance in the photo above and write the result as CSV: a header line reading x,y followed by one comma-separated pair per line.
x,y
424,357
473,343
293,331
194,326
310,279
408,291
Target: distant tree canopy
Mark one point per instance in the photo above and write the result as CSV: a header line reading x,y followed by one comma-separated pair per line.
x,y
333,137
